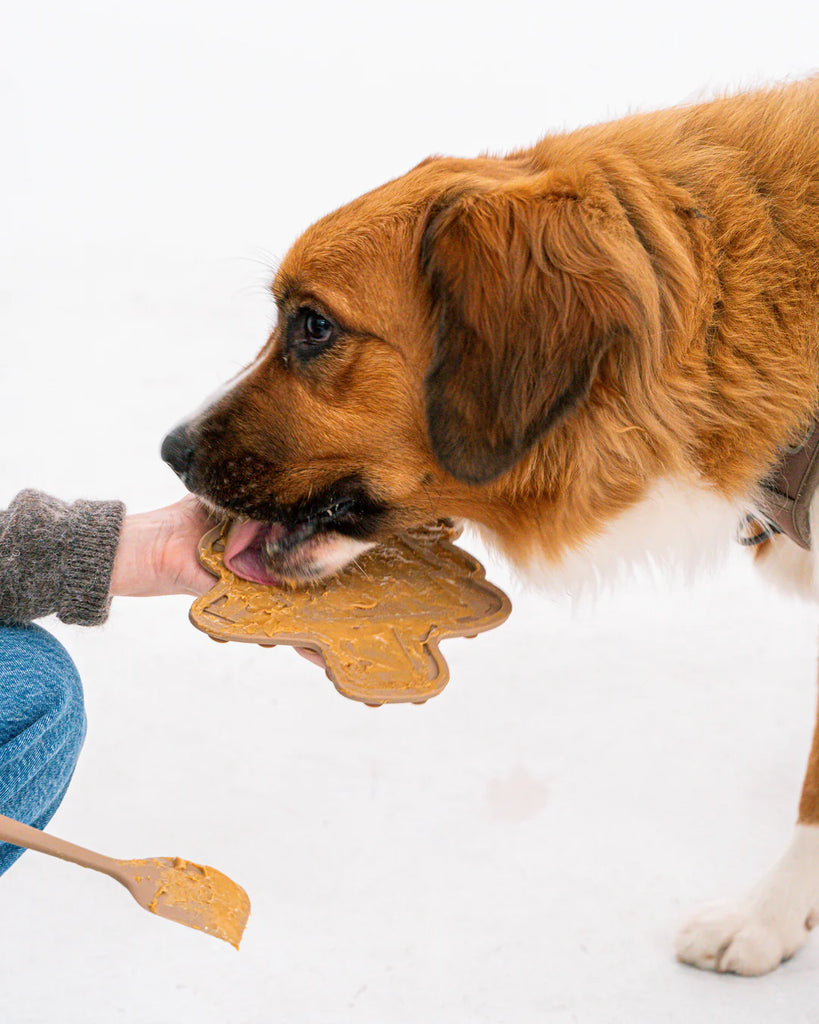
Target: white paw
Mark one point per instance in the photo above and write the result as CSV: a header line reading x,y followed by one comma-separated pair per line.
x,y
737,937
754,934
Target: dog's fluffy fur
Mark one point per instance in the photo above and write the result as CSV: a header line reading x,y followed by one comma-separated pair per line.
x,y
558,345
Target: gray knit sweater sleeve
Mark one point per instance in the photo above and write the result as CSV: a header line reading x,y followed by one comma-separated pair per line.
x,y
57,558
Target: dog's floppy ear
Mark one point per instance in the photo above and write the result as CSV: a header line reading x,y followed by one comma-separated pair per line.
x,y
532,281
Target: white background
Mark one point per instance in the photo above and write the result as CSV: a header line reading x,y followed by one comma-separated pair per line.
x,y
521,848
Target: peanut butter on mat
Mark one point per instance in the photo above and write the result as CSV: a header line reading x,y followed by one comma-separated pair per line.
x,y
377,623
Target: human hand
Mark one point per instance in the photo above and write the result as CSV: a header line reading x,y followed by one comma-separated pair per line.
x,y
158,552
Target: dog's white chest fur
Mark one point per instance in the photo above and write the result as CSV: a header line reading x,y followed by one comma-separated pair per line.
x,y
680,526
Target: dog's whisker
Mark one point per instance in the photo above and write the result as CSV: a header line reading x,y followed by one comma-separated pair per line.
x,y
361,568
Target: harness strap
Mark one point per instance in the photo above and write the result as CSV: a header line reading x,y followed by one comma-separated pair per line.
x,y
753,531
790,486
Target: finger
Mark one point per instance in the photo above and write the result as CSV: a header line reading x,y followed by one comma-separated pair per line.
x,y
312,656
190,579
201,583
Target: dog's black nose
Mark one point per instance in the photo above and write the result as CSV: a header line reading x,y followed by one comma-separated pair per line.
x,y
177,450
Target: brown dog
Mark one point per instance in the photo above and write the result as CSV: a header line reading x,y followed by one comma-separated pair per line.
x,y
588,348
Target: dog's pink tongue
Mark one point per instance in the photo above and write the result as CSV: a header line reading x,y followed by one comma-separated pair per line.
x,y
243,550
241,535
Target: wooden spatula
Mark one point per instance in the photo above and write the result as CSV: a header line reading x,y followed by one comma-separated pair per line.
x,y
181,891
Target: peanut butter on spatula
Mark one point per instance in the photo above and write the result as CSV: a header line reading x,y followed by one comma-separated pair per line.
x,y
377,623
176,889
192,894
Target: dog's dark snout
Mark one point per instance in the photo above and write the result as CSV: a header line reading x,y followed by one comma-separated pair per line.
x,y
177,450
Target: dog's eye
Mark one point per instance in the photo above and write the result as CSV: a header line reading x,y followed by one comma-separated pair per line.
x,y
309,334
317,328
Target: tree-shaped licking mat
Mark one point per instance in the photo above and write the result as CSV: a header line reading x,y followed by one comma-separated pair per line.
x,y
377,624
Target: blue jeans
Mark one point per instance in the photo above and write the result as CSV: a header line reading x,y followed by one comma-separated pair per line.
x,y
42,726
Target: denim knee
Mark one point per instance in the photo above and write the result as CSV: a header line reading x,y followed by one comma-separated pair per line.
x,y
42,726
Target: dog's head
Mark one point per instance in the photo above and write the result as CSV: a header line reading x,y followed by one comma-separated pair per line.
x,y
431,336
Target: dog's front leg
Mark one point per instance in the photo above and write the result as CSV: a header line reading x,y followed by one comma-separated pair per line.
x,y
755,933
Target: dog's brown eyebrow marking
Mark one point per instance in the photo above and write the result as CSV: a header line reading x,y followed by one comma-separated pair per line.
x,y
283,288
288,291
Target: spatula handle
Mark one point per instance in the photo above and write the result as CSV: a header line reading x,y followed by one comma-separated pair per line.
x,y
16,832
